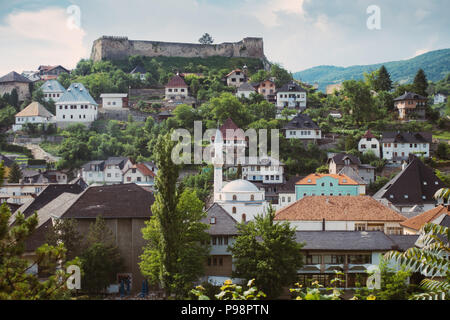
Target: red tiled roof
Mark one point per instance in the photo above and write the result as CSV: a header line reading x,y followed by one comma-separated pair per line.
x,y
144,170
419,221
369,135
176,82
338,208
230,125
235,70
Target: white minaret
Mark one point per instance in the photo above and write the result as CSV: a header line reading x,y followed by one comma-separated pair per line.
x,y
218,164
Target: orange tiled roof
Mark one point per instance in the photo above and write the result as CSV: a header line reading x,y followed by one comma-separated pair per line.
x,y
314,176
419,221
144,170
338,208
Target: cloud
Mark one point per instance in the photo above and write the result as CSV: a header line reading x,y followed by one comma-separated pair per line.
x,y
40,37
267,12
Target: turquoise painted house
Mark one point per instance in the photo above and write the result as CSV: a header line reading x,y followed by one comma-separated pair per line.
x,y
317,184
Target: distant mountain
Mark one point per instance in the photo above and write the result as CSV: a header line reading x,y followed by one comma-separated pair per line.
x,y
436,65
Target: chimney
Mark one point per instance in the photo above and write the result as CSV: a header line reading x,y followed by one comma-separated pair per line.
x,y
323,224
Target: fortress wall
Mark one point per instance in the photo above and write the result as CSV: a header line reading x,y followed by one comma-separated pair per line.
x,y
116,48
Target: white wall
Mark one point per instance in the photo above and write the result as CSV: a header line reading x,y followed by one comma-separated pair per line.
x,y
303,134
77,114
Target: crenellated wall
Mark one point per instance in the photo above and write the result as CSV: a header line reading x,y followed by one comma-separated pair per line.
x,y
117,48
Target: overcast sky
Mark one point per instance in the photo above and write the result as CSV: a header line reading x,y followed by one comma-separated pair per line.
x,y
298,34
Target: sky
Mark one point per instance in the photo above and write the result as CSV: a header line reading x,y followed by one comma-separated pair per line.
x,y
298,34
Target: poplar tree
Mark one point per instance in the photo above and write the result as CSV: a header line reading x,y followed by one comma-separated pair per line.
x,y
15,174
174,256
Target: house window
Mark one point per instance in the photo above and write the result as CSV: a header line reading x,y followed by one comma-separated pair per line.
x,y
334,259
313,259
360,259
234,197
244,217
252,198
360,226
234,210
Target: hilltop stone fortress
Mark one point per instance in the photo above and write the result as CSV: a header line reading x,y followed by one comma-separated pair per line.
x,y
117,48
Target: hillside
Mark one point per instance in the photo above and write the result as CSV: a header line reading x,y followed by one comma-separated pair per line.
x,y
436,65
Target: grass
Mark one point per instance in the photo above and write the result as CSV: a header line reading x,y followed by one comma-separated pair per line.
x,y
441,135
50,147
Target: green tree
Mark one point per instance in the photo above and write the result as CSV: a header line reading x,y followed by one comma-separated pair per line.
x,y
15,173
206,39
268,252
420,83
431,259
100,259
359,101
383,81
174,256
66,231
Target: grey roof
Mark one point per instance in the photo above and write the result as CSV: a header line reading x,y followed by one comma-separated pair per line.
x,y
291,86
14,77
445,222
301,121
410,96
345,240
100,163
289,185
246,87
407,137
120,161
404,242
351,173
76,93
340,158
262,161
224,224
52,86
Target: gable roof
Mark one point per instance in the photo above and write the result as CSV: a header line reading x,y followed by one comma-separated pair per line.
x,y
52,86
340,158
417,222
301,121
345,240
230,125
406,137
14,77
352,174
289,185
312,179
415,181
112,202
224,224
142,169
35,109
176,82
291,86
337,208
7,162
246,87
233,71
369,135
410,96
76,93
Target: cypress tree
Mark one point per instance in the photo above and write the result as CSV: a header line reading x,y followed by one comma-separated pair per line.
x,y
421,83
384,82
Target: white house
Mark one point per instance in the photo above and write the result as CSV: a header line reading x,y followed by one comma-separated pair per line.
x,y
34,113
139,174
368,143
291,96
138,71
76,105
265,170
440,98
304,128
245,90
235,78
114,100
108,171
52,90
397,146
176,88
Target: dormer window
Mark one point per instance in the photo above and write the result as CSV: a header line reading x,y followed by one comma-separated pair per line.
x,y
406,196
213,220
